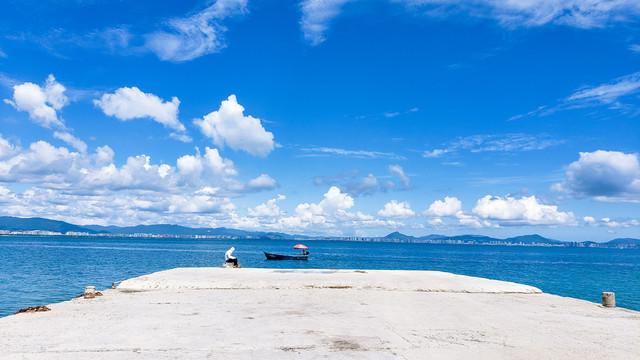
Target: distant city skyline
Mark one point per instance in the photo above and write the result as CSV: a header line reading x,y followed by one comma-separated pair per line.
x,y
332,118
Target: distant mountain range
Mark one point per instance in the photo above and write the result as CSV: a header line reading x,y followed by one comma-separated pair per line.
x,y
166,229
10,223
524,239
21,224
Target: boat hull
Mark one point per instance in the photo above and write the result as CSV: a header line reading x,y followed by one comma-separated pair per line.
x,y
285,257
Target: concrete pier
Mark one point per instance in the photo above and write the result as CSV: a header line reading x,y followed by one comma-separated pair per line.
x,y
200,313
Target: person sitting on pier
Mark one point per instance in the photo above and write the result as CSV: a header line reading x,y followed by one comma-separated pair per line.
x,y
228,258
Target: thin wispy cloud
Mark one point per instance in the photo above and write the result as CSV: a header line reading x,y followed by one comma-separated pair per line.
x,y
388,115
202,33
317,15
608,93
178,39
358,154
495,143
616,94
584,14
7,81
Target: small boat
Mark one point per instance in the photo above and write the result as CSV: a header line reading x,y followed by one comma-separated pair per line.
x,y
303,256
285,257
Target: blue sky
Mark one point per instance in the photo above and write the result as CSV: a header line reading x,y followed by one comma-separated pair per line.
x,y
335,117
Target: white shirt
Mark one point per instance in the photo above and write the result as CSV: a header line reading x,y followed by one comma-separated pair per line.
x,y
228,256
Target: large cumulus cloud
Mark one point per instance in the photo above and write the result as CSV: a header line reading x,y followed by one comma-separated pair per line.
x,y
228,126
603,176
527,210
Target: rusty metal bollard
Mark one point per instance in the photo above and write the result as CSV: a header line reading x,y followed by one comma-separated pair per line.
x,y
89,292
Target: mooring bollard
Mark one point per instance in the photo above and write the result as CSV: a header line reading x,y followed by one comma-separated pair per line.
x,y
608,299
90,292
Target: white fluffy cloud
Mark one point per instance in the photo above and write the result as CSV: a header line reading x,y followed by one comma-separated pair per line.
x,y
41,163
89,188
451,206
42,103
262,182
217,164
330,215
268,209
190,168
603,176
119,208
335,200
608,222
335,203
196,203
526,210
228,126
104,155
396,209
212,165
197,35
6,148
53,167
131,103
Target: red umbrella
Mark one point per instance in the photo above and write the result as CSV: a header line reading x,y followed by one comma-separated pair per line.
x,y
300,246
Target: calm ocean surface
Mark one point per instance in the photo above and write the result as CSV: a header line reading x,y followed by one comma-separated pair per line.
x,y
44,270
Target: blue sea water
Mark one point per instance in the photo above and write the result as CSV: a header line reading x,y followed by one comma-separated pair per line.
x,y
44,270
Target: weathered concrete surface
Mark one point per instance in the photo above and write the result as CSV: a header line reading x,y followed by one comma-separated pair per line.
x,y
213,313
270,279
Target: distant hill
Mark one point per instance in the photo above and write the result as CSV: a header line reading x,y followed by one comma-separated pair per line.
x,y
399,236
24,224
530,239
624,241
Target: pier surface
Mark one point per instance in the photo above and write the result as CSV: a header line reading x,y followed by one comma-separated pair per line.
x,y
215,313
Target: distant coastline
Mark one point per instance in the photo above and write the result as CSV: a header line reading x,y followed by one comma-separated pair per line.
x,y
15,226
